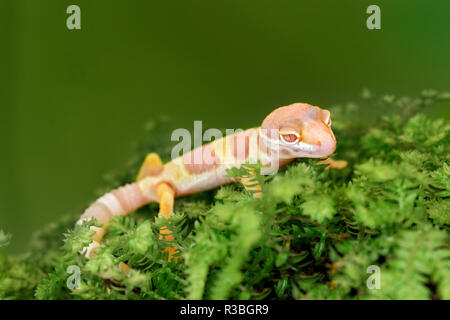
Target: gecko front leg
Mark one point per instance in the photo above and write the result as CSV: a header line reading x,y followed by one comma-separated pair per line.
x,y
251,184
333,164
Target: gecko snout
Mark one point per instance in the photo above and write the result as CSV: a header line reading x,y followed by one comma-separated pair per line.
x,y
327,147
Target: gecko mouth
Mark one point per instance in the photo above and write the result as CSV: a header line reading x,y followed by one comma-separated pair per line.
x,y
305,147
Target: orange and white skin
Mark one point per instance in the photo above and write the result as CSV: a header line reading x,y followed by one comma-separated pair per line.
x,y
298,130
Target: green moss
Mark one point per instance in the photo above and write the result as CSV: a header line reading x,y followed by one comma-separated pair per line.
x,y
312,236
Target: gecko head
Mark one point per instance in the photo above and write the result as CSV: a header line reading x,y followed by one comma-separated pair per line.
x,y
299,131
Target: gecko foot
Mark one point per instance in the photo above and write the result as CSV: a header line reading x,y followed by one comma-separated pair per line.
x,y
333,164
251,185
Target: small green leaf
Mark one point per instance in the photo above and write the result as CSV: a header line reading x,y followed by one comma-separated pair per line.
x,y
281,259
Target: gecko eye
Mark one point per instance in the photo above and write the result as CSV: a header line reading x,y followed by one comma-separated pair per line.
x,y
290,138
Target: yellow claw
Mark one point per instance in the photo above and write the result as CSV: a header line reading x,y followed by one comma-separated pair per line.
x,y
334,164
172,251
124,268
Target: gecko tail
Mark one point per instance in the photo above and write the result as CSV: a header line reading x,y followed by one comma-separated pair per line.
x,y
121,201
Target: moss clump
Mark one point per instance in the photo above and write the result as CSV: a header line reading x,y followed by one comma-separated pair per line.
x,y
312,236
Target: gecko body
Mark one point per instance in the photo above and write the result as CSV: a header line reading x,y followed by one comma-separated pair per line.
x,y
295,131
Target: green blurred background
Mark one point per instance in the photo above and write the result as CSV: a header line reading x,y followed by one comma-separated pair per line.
x,y
73,102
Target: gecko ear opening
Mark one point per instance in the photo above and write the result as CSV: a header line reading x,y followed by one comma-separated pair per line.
x,y
326,117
